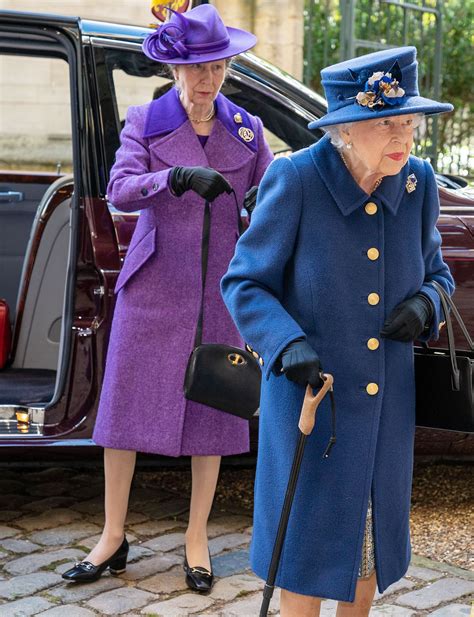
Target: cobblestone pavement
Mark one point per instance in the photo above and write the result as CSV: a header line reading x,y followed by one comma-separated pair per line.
x,y
52,517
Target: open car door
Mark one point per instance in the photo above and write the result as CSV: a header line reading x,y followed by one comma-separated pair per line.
x,y
58,252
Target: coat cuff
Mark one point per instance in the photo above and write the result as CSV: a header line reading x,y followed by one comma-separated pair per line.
x,y
273,357
438,319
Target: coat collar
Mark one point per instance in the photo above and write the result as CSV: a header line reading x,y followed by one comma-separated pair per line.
x,y
344,189
167,114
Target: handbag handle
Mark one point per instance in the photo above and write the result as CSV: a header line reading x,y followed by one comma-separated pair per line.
x,y
455,312
206,229
447,303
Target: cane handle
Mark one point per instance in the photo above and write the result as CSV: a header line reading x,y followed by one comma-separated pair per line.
x,y
311,402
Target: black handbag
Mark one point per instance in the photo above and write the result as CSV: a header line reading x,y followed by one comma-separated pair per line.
x,y
445,378
221,376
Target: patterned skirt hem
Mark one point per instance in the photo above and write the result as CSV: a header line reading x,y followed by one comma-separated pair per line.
x,y
367,563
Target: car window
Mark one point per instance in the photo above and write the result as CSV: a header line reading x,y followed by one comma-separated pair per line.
x,y
35,114
285,130
136,90
35,152
124,78
127,78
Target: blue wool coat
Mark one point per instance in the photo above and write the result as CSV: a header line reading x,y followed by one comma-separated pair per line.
x,y
303,269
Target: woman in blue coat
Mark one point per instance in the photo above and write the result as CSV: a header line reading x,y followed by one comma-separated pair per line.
x,y
335,272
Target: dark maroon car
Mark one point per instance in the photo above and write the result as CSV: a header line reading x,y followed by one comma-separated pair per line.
x,y
66,85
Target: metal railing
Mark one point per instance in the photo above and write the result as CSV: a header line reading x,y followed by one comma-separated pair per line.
x,y
337,30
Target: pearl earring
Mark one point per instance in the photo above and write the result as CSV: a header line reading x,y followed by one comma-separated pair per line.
x,y
349,145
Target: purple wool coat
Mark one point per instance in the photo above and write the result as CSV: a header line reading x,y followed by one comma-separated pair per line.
x,y
142,406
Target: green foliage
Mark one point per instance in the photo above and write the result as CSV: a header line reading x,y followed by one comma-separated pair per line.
x,y
388,24
458,52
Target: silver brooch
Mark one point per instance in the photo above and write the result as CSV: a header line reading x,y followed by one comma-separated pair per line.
x,y
411,183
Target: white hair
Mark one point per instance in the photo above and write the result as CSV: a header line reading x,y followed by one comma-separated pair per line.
x,y
334,131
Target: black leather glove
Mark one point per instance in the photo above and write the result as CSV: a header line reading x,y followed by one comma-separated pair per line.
x,y
206,182
250,200
408,320
300,363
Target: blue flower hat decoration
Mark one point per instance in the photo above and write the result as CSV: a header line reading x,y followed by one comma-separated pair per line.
x,y
384,83
382,88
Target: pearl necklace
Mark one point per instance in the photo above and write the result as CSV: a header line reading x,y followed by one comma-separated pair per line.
x,y
377,182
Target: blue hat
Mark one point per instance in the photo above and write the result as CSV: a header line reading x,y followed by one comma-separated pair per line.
x,y
376,85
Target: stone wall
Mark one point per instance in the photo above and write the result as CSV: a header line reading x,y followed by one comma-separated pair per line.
x,y
278,25
35,122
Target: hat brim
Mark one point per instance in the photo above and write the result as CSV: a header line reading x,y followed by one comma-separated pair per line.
x,y
240,41
358,113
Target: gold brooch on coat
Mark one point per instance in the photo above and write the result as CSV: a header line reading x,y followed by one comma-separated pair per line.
x,y
238,118
411,183
246,134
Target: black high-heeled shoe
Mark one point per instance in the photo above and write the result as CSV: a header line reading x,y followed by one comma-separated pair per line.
x,y
87,572
198,578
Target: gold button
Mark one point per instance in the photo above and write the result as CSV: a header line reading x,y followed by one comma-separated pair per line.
x,y
373,299
255,354
371,208
260,361
373,344
373,254
372,389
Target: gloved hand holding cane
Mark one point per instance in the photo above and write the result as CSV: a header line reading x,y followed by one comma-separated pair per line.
x,y
300,363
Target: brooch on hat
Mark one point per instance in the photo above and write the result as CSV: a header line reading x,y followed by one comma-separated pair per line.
x,y
382,88
411,183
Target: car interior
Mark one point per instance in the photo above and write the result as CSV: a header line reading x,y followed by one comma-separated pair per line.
x,y
36,189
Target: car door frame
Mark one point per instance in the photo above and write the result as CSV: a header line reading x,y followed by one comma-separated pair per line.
x,y
68,408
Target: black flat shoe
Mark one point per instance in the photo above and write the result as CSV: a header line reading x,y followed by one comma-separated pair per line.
x,y
87,572
198,578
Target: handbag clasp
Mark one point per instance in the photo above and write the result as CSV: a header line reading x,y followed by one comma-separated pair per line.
x,y
236,359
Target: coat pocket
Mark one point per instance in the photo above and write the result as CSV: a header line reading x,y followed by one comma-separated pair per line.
x,y
139,254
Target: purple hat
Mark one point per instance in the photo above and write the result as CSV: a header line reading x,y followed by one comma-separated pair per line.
x,y
196,36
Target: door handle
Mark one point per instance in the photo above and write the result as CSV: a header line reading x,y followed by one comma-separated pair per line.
x,y
11,196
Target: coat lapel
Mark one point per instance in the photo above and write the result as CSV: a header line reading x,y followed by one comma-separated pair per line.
x,y
344,189
165,115
224,151
181,147
174,142
393,188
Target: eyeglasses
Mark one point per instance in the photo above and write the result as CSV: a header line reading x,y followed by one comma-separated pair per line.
x,y
406,125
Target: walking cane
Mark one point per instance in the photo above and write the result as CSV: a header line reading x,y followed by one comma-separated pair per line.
x,y
305,425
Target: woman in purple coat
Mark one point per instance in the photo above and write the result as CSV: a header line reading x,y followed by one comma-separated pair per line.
x,y
190,146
